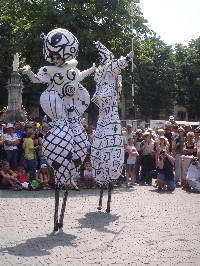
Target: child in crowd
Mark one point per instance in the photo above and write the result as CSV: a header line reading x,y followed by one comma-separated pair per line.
x,y
7,177
75,182
131,161
21,176
43,176
88,177
29,149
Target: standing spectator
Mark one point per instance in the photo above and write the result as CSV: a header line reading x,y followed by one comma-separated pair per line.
x,y
43,132
189,149
197,137
178,147
161,146
137,141
168,135
174,136
128,134
90,128
187,128
131,162
2,151
23,126
171,121
11,140
19,132
29,154
1,126
147,146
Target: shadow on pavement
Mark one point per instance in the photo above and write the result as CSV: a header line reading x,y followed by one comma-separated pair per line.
x,y
40,246
98,221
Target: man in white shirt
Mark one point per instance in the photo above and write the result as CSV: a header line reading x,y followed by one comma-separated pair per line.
x,y
11,140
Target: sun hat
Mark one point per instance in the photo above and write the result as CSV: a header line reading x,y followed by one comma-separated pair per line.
x,y
146,133
9,125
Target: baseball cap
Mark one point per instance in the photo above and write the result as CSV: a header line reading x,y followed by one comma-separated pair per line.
x,y
43,165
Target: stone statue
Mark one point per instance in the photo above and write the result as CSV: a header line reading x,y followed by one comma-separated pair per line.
x,y
16,62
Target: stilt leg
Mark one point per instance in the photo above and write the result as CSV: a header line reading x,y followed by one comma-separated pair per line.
x,y
110,187
56,208
100,198
60,225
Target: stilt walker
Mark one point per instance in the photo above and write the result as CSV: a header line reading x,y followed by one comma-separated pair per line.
x,y
64,101
107,150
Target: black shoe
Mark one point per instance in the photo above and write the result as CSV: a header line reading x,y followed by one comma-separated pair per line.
x,y
39,188
30,187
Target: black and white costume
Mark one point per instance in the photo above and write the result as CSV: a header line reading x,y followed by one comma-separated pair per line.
x,y
107,151
64,101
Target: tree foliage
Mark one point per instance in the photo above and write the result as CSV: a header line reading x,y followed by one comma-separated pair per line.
x,y
187,92
160,74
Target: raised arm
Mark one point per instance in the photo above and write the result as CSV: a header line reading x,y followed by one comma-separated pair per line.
x,y
33,77
85,73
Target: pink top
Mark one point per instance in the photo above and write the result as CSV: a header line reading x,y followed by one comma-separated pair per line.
x,y
131,159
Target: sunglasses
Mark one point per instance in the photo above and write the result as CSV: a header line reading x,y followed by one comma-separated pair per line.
x,y
56,57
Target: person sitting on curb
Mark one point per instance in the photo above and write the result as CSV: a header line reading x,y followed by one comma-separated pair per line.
x,y
21,177
7,177
88,176
42,175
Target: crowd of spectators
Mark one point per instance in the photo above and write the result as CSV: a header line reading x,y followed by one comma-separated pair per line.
x,y
169,150
21,157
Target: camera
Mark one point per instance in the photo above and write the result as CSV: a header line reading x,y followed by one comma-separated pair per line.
x,y
162,152
194,161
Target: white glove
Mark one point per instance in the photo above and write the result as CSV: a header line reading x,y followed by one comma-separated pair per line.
x,y
25,69
131,54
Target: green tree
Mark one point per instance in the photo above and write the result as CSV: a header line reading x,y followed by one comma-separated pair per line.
x,y
154,76
5,59
188,76
107,21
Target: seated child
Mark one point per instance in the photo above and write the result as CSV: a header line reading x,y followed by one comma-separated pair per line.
x,y
75,182
21,176
7,177
42,175
88,177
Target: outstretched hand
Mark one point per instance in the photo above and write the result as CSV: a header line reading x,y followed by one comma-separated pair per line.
x,y
25,69
131,54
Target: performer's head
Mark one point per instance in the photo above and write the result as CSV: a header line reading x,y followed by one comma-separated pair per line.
x,y
60,42
105,56
57,59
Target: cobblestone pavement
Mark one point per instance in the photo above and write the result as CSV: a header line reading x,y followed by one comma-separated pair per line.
x,y
145,227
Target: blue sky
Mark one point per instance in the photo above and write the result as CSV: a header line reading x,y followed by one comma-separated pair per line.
x,y
174,20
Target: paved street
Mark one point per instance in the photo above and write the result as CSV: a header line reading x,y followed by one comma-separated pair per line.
x,y
145,227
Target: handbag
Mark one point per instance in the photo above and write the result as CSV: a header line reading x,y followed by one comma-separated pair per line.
x,y
153,154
